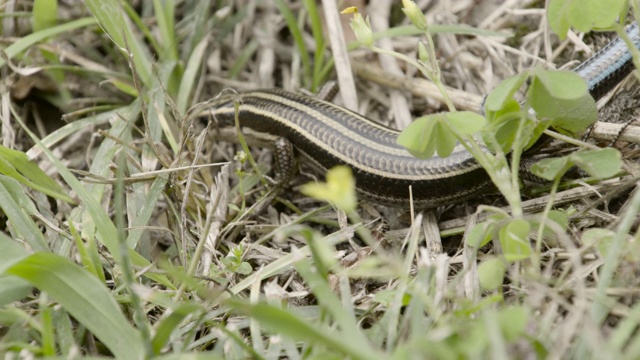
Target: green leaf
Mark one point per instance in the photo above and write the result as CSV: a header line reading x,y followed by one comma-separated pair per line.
x,y
16,165
558,17
506,130
10,252
45,14
296,34
13,289
557,84
103,223
438,133
165,15
491,273
192,72
600,163
466,122
513,321
480,234
600,238
26,42
563,97
109,15
85,298
418,138
577,115
166,325
502,96
16,205
340,189
387,297
560,217
443,138
586,15
551,168
514,238
244,268
285,323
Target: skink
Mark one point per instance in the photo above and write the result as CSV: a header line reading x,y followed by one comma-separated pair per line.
x,y
327,135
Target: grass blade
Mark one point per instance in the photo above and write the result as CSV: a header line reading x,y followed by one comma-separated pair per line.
x,y
16,165
16,204
108,13
45,14
26,42
191,73
285,323
84,297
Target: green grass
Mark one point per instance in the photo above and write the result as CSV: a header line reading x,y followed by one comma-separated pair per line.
x,y
126,236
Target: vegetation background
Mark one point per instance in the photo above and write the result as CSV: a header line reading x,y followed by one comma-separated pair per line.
x,y
130,230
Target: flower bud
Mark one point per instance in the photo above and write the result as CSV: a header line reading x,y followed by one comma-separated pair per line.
x,y
361,27
423,53
414,14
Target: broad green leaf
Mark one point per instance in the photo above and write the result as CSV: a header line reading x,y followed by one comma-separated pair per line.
x,y
506,131
514,238
563,97
586,15
551,168
419,138
502,95
85,298
599,238
466,122
601,163
433,133
558,84
443,138
340,189
206,355
560,217
45,14
491,273
513,321
480,234
387,297
511,110
437,133
576,116
244,268
558,17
